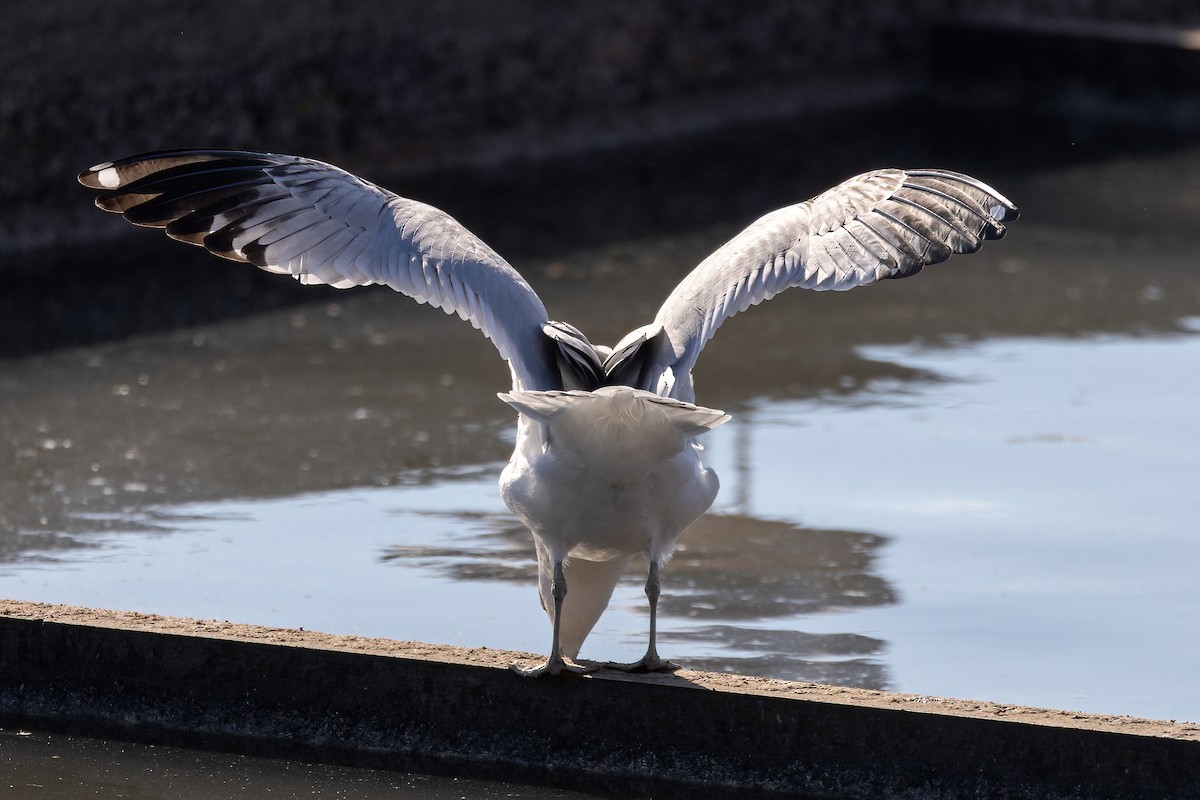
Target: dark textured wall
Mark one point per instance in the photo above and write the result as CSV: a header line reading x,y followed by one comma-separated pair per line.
x,y
391,87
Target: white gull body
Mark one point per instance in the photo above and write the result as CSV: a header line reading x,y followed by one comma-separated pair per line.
x,y
607,464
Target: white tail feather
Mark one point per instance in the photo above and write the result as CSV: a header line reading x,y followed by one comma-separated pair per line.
x,y
686,418
615,429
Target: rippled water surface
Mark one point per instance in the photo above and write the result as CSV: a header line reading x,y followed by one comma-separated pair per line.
x,y
980,482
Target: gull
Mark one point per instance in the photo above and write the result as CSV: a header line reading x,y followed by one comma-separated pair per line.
x,y
607,463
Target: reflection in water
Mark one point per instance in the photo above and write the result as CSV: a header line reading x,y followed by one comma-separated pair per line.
x,y
502,553
738,576
740,568
840,659
730,576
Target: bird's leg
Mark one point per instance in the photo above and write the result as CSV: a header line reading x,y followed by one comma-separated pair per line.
x,y
555,664
651,662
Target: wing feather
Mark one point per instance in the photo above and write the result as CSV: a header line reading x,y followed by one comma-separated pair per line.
x,y
885,224
321,224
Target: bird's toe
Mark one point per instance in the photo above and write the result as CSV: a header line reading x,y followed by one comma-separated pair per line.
x,y
553,666
646,664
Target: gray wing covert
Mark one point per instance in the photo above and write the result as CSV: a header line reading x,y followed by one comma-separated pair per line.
x,y
884,224
320,224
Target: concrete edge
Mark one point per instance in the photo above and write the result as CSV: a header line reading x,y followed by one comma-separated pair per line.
x,y
404,705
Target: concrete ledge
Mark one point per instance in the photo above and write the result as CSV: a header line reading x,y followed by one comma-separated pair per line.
x,y
379,703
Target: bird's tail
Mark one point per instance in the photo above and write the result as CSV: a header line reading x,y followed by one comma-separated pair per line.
x,y
617,401
620,421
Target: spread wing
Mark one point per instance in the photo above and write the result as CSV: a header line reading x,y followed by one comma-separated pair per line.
x,y
321,224
885,224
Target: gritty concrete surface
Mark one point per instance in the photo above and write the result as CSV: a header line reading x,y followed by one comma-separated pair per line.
x,y
380,703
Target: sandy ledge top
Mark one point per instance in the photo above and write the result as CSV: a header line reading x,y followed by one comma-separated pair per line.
x,y
500,659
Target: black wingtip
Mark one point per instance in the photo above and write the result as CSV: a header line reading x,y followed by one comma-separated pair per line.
x,y
117,174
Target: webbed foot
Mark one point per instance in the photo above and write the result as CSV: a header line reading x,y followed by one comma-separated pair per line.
x,y
553,666
648,663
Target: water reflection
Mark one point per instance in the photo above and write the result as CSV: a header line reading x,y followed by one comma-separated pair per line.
x,y
738,579
740,568
731,578
501,553
726,567
840,659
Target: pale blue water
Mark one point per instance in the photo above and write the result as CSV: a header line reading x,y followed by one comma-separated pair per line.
x,y
1022,524
1058,478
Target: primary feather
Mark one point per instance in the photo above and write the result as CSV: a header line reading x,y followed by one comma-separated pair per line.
x,y
321,224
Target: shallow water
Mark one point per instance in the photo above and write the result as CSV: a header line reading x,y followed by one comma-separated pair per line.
x,y
52,767
979,482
